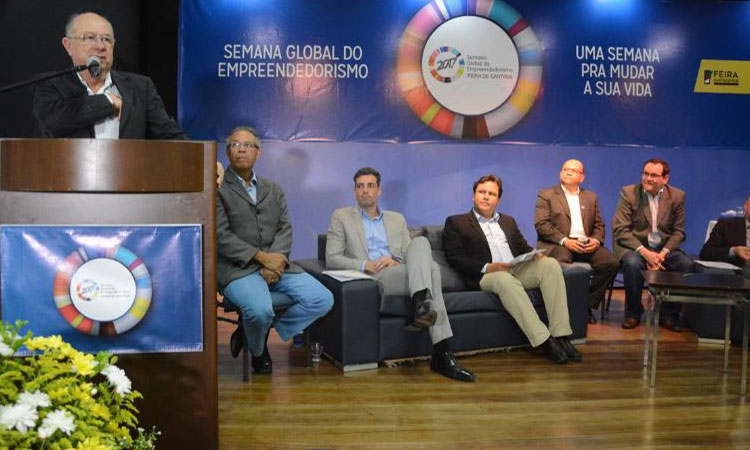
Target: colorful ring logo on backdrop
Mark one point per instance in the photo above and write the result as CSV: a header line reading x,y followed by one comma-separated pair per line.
x,y
87,290
498,81
446,60
102,292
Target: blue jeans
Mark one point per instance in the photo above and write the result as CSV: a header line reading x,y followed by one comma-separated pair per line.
x,y
252,296
633,264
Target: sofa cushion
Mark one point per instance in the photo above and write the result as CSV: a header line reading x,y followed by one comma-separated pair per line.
x,y
449,278
434,234
415,232
456,302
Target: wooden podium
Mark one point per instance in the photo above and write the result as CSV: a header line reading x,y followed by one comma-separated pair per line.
x,y
108,182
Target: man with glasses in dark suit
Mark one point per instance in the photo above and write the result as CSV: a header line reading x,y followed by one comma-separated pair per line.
x,y
99,104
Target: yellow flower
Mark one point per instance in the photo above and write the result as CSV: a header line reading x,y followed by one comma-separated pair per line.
x,y
91,444
56,394
100,411
112,427
82,393
44,342
83,364
67,350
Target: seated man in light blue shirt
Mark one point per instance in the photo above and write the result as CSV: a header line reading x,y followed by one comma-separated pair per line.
x,y
377,242
253,241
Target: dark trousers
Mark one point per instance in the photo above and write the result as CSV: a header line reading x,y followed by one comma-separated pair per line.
x,y
601,261
633,264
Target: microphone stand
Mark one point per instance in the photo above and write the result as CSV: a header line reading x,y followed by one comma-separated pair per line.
x,y
37,79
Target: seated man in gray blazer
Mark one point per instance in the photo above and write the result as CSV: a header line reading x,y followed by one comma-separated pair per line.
x,y
377,242
648,228
254,239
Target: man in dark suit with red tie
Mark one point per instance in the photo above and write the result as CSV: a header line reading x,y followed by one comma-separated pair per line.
x,y
569,226
730,241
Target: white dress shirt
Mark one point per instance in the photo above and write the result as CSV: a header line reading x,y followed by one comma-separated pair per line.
x,y
108,128
576,219
498,242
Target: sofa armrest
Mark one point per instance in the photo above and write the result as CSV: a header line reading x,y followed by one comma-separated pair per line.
x,y
350,332
577,289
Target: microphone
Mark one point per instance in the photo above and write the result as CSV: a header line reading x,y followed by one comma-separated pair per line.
x,y
93,64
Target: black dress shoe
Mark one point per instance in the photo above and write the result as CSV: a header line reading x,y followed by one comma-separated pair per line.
x,y
421,316
554,352
590,318
446,364
262,364
630,322
570,350
236,343
671,325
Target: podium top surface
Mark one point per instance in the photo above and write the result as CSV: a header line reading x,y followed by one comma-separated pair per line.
x,y
103,165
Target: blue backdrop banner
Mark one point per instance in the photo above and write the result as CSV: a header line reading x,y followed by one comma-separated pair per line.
x,y
124,289
620,72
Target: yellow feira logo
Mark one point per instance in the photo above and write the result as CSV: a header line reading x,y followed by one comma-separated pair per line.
x,y
723,77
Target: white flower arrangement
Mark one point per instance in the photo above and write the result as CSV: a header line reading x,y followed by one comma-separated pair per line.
x,y
62,399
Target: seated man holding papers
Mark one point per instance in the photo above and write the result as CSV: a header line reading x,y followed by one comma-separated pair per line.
x,y
482,245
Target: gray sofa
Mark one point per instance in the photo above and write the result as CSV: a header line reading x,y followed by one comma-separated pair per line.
x,y
360,332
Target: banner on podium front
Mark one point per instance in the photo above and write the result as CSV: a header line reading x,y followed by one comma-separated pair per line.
x,y
122,288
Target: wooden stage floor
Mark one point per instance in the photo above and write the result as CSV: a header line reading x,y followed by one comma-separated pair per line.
x,y
519,400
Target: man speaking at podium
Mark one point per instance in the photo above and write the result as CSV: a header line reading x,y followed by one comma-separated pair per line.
x,y
99,102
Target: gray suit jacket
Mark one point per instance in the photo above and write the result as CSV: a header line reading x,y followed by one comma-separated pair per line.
x,y
552,216
632,221
346,247
243,228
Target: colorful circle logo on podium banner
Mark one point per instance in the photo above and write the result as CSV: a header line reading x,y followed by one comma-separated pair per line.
x,y
469,69
102,292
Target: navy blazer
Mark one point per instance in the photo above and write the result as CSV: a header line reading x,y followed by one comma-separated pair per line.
x,y
62,108
466,247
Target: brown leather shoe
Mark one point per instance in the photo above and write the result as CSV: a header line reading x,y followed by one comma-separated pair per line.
x,y
631,322
671,325
420,316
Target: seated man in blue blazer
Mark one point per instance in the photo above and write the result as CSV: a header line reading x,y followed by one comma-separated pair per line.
x,y
108,104
730,241
377,242
254,239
